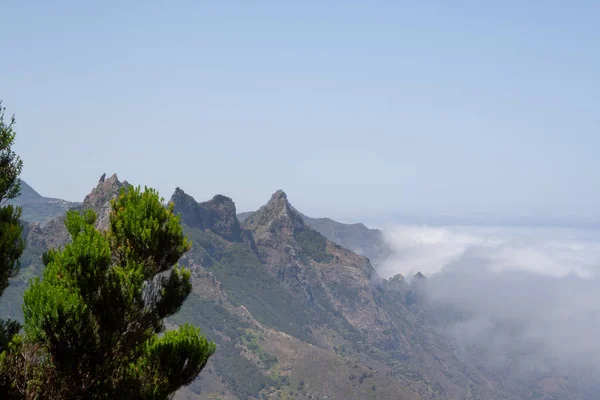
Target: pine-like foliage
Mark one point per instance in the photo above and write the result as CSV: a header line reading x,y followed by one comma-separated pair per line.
x,y
11,230
93,322
11,245
10,163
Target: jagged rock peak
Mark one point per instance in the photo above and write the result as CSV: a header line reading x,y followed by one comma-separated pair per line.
x,y
179,197
100,197
279,195
276,214
398,278
217,214
418,277
103,192
220,199
279,202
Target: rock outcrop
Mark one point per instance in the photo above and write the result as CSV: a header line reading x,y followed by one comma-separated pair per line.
x,y
356,237
217,215
100,197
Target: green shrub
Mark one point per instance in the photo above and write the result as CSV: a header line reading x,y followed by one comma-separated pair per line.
x,y
314,245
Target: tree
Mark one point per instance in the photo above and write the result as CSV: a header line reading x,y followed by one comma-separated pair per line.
x,y
11,230
12,245
94,320
10,163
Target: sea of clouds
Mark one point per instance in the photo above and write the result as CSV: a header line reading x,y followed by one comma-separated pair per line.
x,y
527,298
557,252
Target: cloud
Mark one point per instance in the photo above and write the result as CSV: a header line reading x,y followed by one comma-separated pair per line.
x,y
551,252
522,300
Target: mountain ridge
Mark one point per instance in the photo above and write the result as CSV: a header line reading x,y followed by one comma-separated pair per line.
x,y
357,236
296,315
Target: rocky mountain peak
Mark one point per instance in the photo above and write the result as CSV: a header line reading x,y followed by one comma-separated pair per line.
x,y
182,200
277,215
103,192
279,195
279,205
100,197
274,227
217,214
418,277
398,278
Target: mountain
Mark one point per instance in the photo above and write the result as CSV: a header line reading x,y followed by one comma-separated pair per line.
x,y
100,197
37,208
269,303
28,193
296,315
217,215
356,237
43,234
290,282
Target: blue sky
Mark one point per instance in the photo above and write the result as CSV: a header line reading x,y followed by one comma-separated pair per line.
x,y
354,108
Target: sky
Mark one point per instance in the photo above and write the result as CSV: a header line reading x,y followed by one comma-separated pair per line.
x,y
356,109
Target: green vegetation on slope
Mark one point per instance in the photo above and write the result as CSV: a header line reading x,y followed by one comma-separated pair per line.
x,y
227,330
247,282
313,244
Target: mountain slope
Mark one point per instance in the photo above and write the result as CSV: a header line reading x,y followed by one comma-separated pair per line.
x,y
280,317
381,326
37,208
28,193
356,237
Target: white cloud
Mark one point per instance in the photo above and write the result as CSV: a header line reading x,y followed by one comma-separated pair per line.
x,y
528,298
551,252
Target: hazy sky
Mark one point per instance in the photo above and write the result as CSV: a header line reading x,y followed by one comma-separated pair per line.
x,y
351,107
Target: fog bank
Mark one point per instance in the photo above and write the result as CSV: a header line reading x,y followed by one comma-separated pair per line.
x,y
521,299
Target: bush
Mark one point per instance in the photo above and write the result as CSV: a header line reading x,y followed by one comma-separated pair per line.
x,y
314,245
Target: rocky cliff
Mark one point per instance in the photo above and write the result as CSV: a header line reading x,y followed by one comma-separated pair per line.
x,y
356,237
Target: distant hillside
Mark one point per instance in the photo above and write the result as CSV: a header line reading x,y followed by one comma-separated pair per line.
x,y
28,193
37,208
356,237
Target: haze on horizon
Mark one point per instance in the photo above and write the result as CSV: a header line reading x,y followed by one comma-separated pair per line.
x,y
354,109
